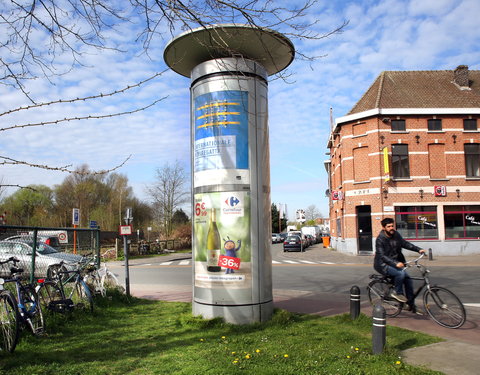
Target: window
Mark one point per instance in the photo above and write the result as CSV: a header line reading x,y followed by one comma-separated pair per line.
x,y
400,166
470,124
398,126
462,221
434,125
339,227
417,222
472,160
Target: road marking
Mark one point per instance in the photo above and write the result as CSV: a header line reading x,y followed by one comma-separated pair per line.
x,y
147,264
290,261
327,263
307,262
275,262
184,263
165,263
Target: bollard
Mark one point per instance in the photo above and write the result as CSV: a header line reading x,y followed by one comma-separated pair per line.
x,y
430,254
354,302
379,329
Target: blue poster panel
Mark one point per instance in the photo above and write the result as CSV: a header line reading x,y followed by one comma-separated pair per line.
x,y
221,130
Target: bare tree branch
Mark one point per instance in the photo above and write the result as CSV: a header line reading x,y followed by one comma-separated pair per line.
x,y
7,160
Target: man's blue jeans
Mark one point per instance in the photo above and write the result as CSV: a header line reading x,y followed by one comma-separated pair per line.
x,y
402,278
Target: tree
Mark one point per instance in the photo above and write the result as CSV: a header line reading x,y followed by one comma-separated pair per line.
x,y
312,213
168,193
276,221
46,39
179,218
33,206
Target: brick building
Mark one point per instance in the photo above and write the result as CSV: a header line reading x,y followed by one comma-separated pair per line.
x,y
409,149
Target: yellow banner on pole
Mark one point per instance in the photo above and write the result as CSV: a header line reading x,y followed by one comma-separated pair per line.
x,y
386,167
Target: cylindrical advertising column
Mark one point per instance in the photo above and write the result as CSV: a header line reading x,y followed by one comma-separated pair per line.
x,y
228,66
231,185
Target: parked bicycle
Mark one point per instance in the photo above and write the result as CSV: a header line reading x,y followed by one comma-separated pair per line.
x,y
101,280
65,290
20,307
442,305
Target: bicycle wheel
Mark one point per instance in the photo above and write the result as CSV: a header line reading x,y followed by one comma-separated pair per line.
x,y
49,293
33,309
9,322
94,283
444,307
379,294
80,295
110,282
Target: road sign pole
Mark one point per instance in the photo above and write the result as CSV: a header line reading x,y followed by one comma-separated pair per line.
x,y
127,273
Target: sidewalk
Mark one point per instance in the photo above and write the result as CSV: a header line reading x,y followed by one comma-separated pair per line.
x,y
457,355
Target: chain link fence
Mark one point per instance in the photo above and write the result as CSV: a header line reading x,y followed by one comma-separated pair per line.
x,y
53,246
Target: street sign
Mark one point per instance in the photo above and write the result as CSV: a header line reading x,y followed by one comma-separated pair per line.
x,y
125,230
93,224
76,216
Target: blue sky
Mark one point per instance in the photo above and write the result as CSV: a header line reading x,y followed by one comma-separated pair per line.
x,y
381,35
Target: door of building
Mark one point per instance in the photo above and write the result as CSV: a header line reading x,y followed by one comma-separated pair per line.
x,y
364,229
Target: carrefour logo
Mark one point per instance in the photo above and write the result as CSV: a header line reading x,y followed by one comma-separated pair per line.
x,y
232,201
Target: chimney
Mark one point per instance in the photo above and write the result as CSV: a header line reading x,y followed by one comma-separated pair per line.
x,y
460,77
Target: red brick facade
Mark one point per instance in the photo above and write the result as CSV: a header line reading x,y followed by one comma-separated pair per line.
x,y
419,159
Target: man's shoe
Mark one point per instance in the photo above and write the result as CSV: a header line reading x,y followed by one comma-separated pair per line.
x,y
415,310
398,297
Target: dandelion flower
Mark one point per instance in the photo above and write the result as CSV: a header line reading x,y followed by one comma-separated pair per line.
x,y
233,353
285,355
348,356
235,362
202,340
223,337
257,351
398,363
247,356
357,349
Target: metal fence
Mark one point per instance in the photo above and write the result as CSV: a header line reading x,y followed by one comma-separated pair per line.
x,y
53,245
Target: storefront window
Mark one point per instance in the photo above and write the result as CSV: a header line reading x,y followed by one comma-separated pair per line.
x,y
417,222
462,222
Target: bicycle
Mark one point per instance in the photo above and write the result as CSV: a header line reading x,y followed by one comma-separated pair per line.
x,y
100,280
66,290
442,305
9,320
25,298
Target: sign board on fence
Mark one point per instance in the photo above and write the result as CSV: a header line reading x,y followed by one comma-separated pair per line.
x,y
93,224
125,230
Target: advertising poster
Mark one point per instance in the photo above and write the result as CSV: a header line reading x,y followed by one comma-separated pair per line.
x,y
221,131
222,244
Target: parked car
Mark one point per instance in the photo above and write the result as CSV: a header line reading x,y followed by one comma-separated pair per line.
x,y
293,243
283,235
46,258
276,238
49,240
301,235
310,239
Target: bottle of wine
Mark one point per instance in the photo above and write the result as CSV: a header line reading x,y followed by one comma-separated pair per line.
x,y
213,244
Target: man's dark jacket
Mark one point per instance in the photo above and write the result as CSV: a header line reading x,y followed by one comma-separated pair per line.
x,y
388,251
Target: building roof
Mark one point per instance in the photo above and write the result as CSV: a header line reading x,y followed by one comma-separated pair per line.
x,y
459,88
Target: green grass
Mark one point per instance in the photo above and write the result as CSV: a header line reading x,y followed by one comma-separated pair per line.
x,y
155,337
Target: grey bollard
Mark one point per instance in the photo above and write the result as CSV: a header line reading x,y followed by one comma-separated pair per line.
x,y
354,302
430,254
379,329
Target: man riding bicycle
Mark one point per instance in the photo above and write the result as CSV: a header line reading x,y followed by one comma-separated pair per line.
x,y
389,260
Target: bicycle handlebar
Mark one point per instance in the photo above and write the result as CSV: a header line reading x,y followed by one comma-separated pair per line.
x,y
415,261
